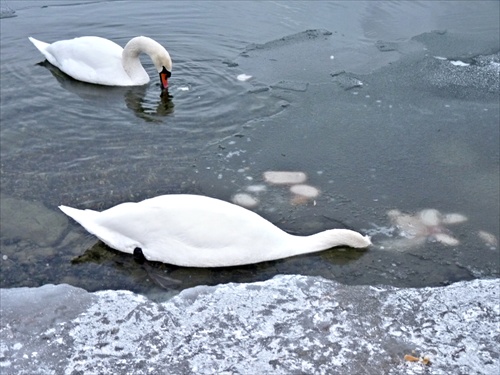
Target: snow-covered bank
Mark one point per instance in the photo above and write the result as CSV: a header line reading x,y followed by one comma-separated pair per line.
x,y
286,325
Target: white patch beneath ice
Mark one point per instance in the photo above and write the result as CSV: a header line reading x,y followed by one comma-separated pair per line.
x,y
488,239
458,63
307,191
454,218
234,153
284,177
256,188
243,77
245,200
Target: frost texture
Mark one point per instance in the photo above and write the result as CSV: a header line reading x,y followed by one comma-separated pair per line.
x,y
287,325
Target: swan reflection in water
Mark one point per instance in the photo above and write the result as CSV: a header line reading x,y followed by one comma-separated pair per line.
x,y
136,97
144,107
146,277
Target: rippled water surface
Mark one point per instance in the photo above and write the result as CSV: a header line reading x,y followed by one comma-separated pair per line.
x,y
368,99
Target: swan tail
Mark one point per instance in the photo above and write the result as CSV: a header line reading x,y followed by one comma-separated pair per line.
x,y
85,218
41,46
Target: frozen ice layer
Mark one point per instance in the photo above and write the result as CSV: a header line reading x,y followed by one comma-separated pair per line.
x,y
289,324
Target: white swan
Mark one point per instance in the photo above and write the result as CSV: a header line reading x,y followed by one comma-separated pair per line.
x,y
198,231
97,60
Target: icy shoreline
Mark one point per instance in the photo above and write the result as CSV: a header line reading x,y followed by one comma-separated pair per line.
x,y
286,325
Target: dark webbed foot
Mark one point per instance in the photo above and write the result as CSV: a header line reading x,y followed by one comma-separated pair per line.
x,y
139,256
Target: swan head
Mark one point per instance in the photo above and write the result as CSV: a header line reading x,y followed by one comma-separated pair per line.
x,y
163,64
164,76
158,54
340,237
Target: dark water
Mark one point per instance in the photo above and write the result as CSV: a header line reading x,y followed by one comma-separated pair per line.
x,y
369,105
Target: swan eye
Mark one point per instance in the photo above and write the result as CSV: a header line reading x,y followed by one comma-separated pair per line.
x,y
165,71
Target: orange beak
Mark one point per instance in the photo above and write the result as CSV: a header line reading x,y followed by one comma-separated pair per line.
x,y
164,76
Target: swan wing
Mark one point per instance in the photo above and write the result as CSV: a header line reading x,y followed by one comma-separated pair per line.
x,y
205,222
187,230
193,230
89,59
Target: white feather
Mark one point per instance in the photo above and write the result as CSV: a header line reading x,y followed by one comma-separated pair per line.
x,y
198,231
98,60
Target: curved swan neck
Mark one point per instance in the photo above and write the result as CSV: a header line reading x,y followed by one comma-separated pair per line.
x,y
141,44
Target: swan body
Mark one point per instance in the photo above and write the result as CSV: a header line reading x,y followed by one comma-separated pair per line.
x,y
98,60
198,231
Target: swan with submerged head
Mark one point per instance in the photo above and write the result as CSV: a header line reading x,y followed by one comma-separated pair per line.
x,y
198,231
100,61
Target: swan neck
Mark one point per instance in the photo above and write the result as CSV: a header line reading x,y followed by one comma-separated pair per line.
x,y
132,64
141,44
327,240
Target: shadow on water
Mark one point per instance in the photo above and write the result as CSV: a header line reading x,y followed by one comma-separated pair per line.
x,y
146,109
135,97
145,277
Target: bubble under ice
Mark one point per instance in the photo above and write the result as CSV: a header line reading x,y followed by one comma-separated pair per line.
x,y
289,324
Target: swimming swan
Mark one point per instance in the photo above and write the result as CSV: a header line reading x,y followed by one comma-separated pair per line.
x,y
97,60
198,231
